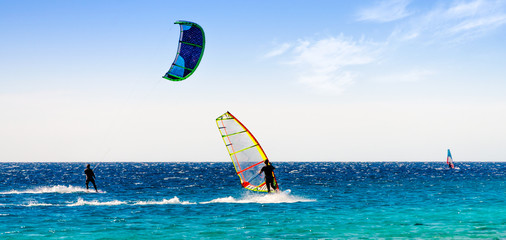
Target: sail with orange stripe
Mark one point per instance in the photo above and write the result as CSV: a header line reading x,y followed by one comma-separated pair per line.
x,y
245,151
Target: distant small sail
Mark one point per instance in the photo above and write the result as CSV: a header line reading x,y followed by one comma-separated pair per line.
x,y
449,160
245,151
189,53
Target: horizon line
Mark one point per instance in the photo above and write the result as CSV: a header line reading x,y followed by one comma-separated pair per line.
x,y
394,161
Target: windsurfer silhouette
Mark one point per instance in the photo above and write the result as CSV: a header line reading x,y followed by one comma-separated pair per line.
x,y
268,169
90,177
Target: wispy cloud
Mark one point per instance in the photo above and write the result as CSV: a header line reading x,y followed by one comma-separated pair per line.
x,y
325,64
454,22
385,11
460,9
279,50
479,25
334,63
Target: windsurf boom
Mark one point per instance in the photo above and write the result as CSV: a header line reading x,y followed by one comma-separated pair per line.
x,y
245,151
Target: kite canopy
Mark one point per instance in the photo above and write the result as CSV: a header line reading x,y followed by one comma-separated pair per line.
x,y
189,52
245,151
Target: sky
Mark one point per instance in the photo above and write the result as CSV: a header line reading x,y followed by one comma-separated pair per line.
x,y
336,80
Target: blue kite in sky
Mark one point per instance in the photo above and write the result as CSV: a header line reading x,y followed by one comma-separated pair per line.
x,y
189,53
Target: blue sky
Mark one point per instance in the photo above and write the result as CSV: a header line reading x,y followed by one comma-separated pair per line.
x,y
313,80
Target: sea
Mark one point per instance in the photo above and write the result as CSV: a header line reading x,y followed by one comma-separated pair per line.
x,y
205,200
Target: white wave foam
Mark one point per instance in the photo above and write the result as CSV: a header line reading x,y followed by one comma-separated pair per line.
x,y
174,200
229,199
81,202
53,189
37,204
282,197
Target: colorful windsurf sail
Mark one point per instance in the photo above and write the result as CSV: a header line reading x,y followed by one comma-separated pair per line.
x,y
245,151
449,160
189,53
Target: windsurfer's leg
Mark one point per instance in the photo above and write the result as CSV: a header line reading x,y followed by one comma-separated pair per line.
x,y
87,181
273,187
270,184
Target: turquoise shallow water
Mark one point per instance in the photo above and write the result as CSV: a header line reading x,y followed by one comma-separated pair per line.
x,y
206,201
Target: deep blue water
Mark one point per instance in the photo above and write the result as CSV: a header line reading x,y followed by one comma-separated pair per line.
x,y
206,201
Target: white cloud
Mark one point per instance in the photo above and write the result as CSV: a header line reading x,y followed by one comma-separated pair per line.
x,y
324,64
479,24
331,64
279,50
472,19
385,11
466,8
459,21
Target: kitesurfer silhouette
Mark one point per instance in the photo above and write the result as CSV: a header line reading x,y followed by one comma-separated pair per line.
x,y
90,177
